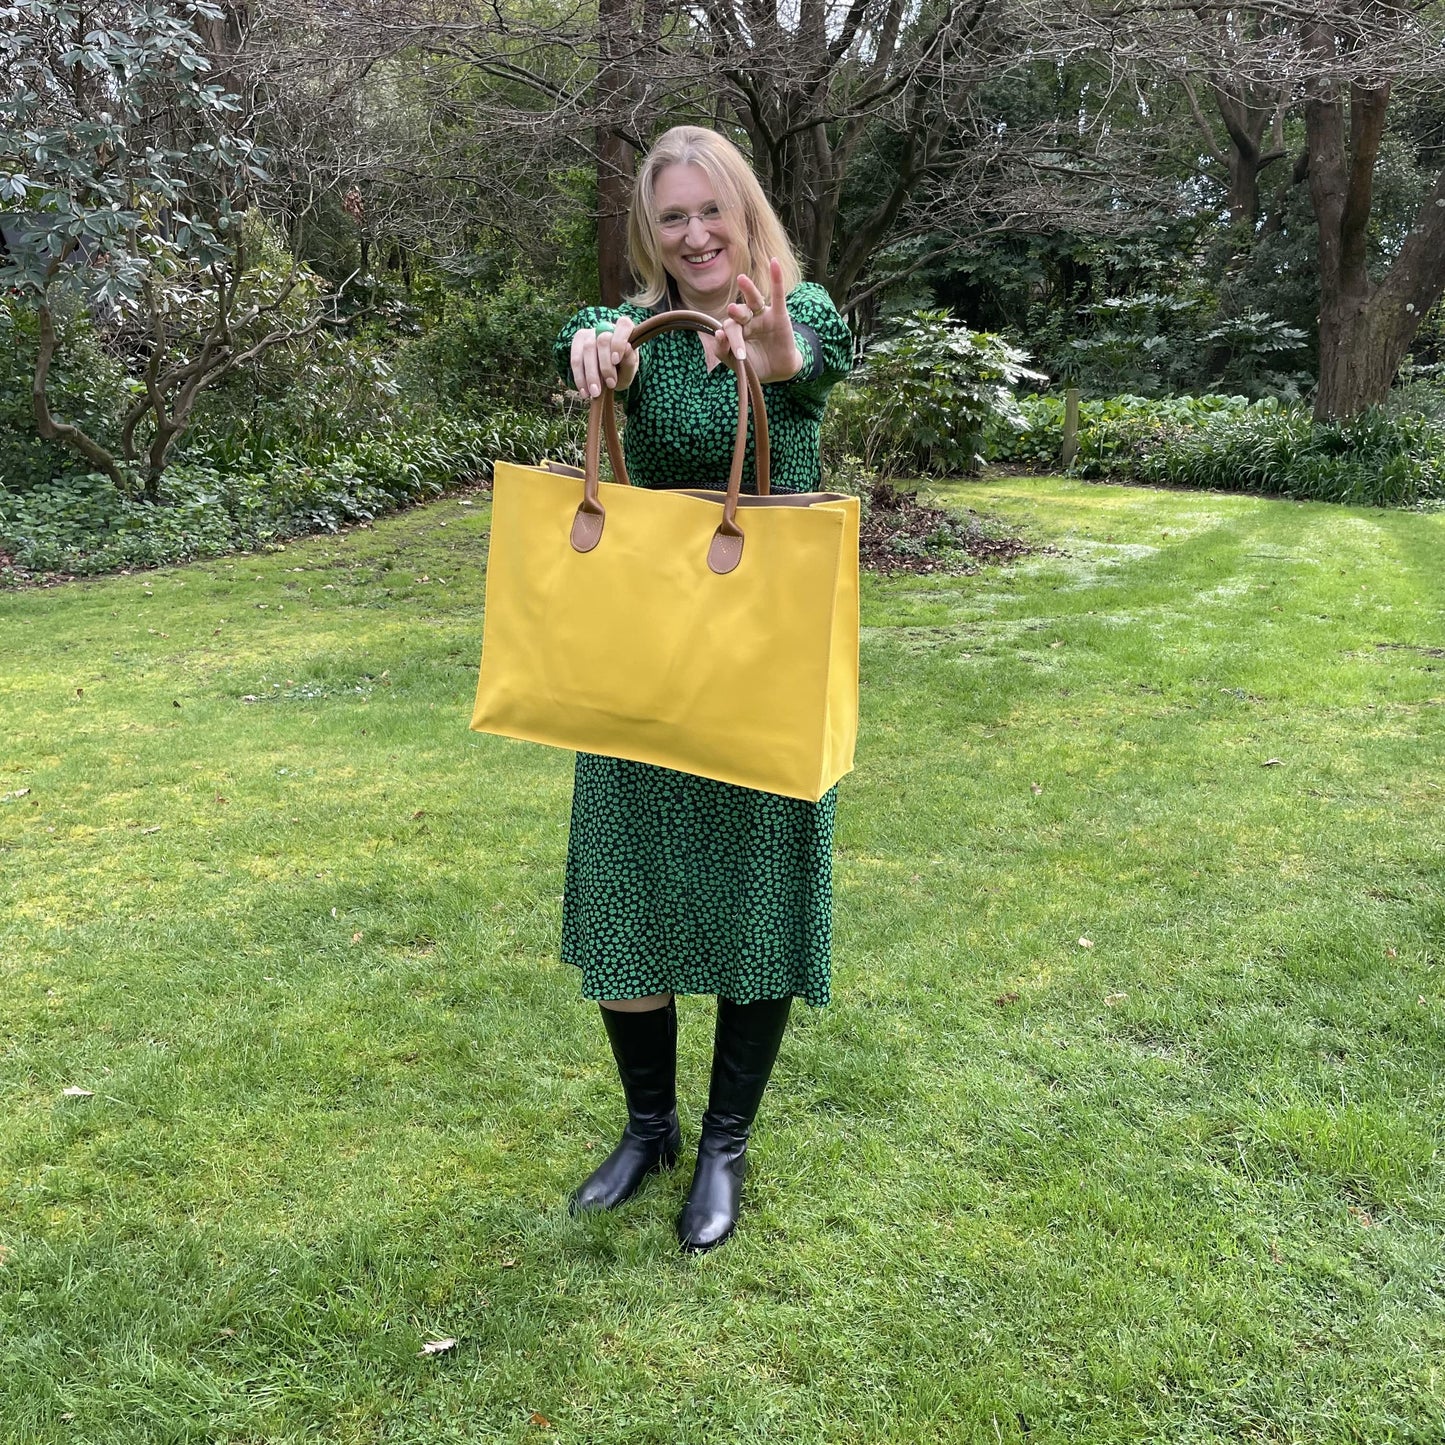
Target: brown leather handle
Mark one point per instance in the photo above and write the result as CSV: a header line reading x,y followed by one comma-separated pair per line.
x,y
726,549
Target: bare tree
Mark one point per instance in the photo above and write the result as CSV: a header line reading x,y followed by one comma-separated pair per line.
x,y
1250,99
812,83
1366,325
1339,62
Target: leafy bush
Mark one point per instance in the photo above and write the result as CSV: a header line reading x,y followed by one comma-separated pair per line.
x,y
1374,459
314,390
1421,392
1157,343
487,348
87,386
219,498
924,398
1232,444
1105,426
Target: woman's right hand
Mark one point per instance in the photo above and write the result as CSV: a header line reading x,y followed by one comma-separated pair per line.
x,y
604,358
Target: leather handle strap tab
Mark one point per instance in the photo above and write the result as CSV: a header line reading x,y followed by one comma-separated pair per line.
x,y
726,548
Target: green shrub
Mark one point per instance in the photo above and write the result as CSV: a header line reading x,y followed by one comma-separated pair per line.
x,y
319,392
1104,425
87,387
1374,459
488,348
1233,444
219,499
1161,342
1421,392
924,398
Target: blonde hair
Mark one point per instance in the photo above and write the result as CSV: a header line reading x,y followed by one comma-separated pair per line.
x,y
737,192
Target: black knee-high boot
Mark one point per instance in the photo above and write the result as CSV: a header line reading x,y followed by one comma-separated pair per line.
x,y
645,1047
744,1048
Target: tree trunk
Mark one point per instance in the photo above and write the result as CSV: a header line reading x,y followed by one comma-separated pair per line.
x,y
1361,346
615,161
1365,328
1244,169
50,427
615,157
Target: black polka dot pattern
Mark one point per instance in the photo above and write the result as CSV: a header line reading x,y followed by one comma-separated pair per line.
x,y
677,883
685,884
682,418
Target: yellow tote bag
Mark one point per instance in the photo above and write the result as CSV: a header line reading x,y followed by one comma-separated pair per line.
x,y
709,632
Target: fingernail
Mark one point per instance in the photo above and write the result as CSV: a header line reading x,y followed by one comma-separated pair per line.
x,y
596,390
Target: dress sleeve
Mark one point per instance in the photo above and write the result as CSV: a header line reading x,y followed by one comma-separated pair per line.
x,y
824,341
589,316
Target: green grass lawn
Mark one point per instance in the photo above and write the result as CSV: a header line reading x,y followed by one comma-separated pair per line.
x,y
294,929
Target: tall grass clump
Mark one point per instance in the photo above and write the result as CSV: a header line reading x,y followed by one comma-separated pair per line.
x,y
1374,459
1379,458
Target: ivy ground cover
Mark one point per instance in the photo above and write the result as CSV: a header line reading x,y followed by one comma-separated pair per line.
x,y
1125,1125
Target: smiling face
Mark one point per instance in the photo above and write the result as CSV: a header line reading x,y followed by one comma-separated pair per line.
x,y
696,238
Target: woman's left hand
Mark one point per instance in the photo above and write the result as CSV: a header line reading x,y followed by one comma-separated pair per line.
x,y
761,331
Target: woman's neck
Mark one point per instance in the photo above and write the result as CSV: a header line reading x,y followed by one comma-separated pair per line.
x,y
714,305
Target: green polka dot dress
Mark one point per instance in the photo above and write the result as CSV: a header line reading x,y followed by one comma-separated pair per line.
x,y
678,883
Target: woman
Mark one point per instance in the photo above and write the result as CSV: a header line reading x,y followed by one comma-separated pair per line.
x,y
679,884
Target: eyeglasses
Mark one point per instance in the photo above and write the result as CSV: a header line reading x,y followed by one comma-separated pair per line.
x,y
674,223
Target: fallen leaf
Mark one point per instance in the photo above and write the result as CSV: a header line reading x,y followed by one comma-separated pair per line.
x,y
437,1347
1005,999
1114,998
333,911
1360,1216
420,813
18,793
509,1264
1420,1000
250,697
356,937
1272,763
1086,943
1274,1253
1390,953
4,1253
540,1420
1036,788
220,799
226,1332
1056,644
156,829
74,1091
